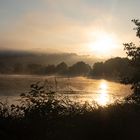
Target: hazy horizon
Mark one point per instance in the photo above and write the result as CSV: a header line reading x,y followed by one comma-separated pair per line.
x,y
85,27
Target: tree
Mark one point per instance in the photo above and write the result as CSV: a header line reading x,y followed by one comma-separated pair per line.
x,y
18,68
116,67
133,54
35,69
61,68
79,69
50,69
111,68
98,69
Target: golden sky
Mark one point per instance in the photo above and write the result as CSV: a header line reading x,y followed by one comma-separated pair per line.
x,y
91,27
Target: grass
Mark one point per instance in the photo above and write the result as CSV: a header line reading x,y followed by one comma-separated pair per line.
x,y
42,115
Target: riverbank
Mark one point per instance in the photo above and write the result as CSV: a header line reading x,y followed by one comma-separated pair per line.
x,y
112,79
42,115
53,122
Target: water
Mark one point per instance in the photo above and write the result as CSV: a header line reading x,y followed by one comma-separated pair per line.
x,y
101,91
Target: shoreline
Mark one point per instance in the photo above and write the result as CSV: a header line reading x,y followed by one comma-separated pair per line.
x,y
116,80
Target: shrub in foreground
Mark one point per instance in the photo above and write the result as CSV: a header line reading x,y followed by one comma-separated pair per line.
x,y
42,114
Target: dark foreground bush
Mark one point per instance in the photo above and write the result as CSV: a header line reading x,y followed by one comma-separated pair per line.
x,y
42,114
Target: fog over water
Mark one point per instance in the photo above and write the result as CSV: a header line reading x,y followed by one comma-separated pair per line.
x,y
100,91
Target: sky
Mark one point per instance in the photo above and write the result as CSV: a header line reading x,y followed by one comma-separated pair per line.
x,y
86,27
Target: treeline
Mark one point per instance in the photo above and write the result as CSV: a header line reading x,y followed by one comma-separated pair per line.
x,y
79,68
113,68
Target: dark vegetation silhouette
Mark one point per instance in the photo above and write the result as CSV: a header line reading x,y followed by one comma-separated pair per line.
x,y
42,113
9,59
113,68
62,68
79,69
133,54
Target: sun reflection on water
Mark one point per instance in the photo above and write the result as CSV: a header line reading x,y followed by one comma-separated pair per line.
x,y
103,97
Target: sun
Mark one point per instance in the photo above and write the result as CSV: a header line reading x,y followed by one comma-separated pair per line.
x,y
103,44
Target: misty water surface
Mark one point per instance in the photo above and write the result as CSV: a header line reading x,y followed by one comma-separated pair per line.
x,y
101,91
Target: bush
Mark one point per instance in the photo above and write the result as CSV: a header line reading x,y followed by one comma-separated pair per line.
x,y
43,114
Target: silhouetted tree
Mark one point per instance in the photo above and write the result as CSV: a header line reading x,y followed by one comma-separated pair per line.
x,y
80,68
50,69
98,69
116,67
133,53
62,68
111,68
35,69
2,68
18,68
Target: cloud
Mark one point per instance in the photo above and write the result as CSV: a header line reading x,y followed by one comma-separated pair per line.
x,y
63,26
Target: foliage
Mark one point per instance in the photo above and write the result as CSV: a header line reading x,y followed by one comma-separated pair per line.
x,y
44,101
112,68
62,68
41,114
133,53
79,69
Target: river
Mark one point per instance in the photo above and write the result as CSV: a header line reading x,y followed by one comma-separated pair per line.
x,y
100,91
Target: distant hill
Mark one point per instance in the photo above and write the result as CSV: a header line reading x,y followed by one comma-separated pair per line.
x,y
70,64
14,57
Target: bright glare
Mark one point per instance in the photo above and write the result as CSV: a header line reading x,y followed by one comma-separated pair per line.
x,y
103,98
103,86
103,44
